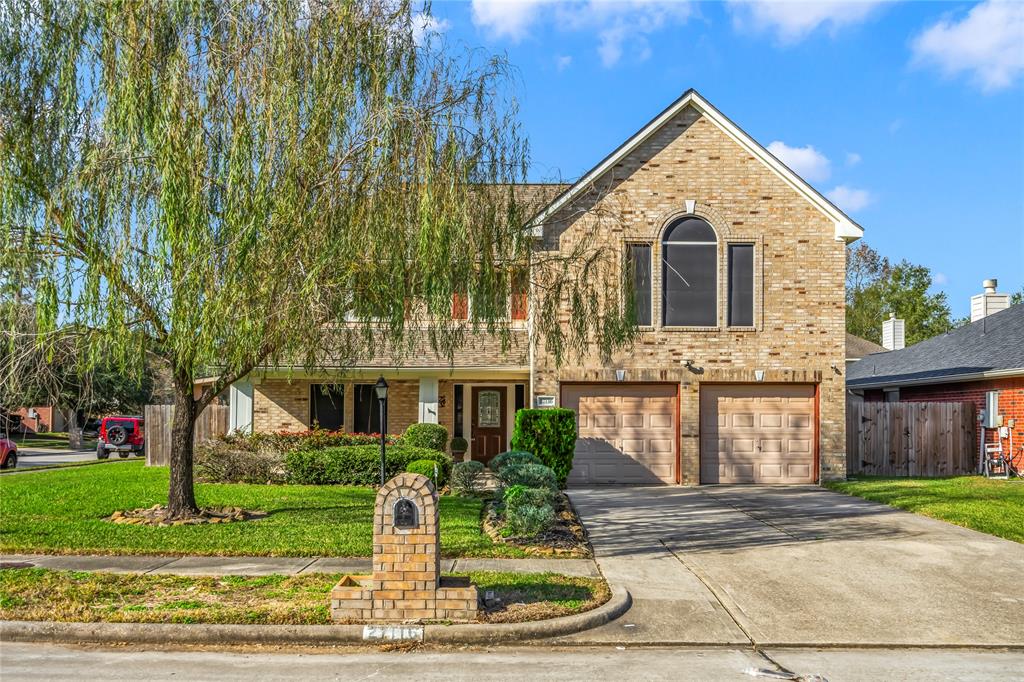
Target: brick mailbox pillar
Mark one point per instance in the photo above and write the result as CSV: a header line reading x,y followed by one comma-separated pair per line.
x,y
406,584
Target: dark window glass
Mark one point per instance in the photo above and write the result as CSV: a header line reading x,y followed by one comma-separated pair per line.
x,y
639,261
458,410
367,410
520,397
327,406
741,285
689,259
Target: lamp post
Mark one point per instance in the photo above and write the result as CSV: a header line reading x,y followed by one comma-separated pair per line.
x,y
381,387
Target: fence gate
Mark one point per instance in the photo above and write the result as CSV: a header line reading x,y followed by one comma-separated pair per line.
x,y
210,424
910,439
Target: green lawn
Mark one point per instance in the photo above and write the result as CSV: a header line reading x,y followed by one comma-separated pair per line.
x,y
48,440
38,594
62,511
993,507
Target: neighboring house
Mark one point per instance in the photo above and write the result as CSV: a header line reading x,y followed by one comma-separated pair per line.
x,y
857,348
962,365
738,373
44,418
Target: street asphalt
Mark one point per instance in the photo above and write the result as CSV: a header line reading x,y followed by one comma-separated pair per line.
x,y
38,457
51,662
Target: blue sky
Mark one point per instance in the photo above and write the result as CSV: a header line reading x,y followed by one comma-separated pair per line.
x,y
909,115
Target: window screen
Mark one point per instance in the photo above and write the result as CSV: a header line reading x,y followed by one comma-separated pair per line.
x,y
367,410
741,285
638,258
327,406
689,259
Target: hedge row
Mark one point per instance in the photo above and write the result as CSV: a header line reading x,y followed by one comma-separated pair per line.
x,y
357,464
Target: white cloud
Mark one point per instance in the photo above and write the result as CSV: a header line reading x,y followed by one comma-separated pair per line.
x,y
850,198
807,162
852,158
988,44
895,125
563,62
939,278
621,26
506,18
424,26
792,21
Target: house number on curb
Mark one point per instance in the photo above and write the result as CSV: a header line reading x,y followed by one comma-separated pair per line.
x,y
405,514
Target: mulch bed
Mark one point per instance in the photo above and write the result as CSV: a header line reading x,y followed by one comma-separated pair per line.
x,y
566,538
157,516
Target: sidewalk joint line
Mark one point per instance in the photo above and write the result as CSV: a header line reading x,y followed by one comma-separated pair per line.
x,y
166,563
311,562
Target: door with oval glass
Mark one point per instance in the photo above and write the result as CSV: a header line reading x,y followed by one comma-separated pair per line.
x,y
488,426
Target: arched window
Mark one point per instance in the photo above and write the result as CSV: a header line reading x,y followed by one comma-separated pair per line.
x,y
689,258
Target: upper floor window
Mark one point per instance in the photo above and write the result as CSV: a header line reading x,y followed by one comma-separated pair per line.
x,y
741,285
638,263
689,256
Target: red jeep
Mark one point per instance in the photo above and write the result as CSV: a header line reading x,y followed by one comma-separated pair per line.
x,y
124,435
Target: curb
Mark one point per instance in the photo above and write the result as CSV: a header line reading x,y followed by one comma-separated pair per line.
x,y
311,635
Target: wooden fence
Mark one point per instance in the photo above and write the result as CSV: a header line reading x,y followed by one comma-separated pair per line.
x,y
211,423
910,439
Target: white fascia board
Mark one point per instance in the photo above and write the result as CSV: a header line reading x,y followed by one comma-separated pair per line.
x,y
845,228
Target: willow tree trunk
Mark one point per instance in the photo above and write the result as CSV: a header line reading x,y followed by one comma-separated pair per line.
x,y
181,497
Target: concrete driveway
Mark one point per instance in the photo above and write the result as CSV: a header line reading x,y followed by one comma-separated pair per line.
x,y
797,565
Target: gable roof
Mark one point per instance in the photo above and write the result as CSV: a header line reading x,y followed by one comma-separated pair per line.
x,y
856,347
845,228
990,347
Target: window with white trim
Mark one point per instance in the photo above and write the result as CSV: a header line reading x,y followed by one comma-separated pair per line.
x,y
689,279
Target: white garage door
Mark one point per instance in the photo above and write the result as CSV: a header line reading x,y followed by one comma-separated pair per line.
x,y
757,434
627,433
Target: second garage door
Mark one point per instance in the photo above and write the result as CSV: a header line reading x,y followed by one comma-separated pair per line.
x,y
757,434
627,433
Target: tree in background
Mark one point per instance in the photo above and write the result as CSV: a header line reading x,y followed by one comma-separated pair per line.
x,y
234,185
876,289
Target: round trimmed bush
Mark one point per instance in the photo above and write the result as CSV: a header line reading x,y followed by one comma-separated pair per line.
x,y
527,511
428,468
529,476
466,476
505,459
433,436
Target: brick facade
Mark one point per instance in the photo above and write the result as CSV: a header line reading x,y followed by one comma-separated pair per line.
x,y
283,404
1011,403
799,330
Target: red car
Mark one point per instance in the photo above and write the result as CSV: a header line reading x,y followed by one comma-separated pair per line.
x,y
8,453
123,435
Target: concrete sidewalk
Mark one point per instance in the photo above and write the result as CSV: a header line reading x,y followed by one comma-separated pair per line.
x,y
241,565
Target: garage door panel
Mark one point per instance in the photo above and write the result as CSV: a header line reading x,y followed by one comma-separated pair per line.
x,y
629,435
761,434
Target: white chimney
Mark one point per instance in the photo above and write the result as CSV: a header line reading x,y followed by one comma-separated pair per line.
x,y
892,333
983,305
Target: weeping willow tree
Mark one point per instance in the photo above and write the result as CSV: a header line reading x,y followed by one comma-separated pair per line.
x,y
232,185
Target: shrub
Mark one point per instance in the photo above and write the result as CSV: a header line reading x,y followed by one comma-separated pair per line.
x,y
503,460
356,464
458,444
222,461
284,442
527,511
428,468
550,434
529,476
466,476
433,436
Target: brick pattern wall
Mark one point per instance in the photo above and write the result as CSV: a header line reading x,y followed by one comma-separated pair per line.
x,y
1011,404
282,405
406,583
799,326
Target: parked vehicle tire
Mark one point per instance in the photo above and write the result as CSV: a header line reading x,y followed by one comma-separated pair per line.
x,y
12,461
117,434
123,454
140,453
101,452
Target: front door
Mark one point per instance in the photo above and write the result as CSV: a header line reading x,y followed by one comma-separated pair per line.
x,y
489,410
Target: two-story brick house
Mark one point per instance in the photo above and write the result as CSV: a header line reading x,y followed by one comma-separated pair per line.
x,y
737,374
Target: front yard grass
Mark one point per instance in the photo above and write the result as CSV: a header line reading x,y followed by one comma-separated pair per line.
x,y
990,506
39,594
62,511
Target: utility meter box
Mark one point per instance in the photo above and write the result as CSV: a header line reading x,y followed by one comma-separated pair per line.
x,y
991,420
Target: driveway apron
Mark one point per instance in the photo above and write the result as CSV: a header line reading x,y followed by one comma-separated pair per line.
x,y
797,565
